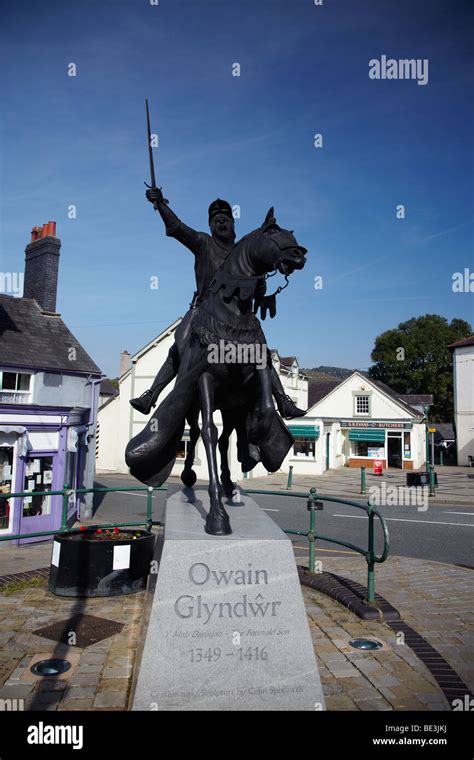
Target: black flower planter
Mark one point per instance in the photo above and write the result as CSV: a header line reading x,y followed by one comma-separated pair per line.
x,y
83,566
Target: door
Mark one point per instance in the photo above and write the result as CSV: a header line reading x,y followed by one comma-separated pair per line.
x,y
38,513
6,478
327,450
394,453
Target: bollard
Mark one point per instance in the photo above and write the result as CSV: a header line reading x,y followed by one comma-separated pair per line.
x,y
370,559
311,504
149,509
441,457
432,481
65,508
290,478
246,475
362,479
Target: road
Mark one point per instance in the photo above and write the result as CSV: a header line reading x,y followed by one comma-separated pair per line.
x,y
440,533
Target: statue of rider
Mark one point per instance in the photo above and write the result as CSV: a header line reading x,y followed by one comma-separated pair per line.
x,y
210,252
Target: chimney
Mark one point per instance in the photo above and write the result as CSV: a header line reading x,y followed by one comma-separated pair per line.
x,y
124,362
41,267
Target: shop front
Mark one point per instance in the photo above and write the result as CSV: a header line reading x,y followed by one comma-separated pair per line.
x,y
388,442
40,451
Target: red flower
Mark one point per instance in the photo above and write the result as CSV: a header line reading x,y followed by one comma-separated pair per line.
x,y
116,530
83,527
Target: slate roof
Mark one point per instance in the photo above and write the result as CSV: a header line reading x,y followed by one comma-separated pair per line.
x,y
107,388
444,431
417,398
464,342
317,390
29,338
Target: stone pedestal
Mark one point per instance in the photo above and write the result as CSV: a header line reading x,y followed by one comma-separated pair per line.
x,y
227,626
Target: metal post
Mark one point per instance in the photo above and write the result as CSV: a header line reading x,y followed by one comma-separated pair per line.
x,y
246,475
370,559
441,457
362,479
64,510
149,508
432,449
290,478
432,481
312,532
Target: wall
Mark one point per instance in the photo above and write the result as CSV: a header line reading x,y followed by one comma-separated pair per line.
x,y
72,390
463,366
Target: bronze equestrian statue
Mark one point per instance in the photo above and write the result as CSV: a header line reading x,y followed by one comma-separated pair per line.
x,y
230,280
210,251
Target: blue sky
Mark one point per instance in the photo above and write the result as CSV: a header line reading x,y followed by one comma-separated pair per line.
x,y
304,70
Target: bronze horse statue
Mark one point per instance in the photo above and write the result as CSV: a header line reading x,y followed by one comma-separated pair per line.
x,y
241,389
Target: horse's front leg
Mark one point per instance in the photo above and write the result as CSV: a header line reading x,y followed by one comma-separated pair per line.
x,y
188,475
217,522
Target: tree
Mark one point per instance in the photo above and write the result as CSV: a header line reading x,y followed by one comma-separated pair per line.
x,y
414,358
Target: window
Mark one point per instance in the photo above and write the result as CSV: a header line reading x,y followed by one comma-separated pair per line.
x,y
304,447
362,404
38,477
370,449
15,387
406,445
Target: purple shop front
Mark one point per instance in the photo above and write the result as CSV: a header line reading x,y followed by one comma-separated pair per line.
x,y
41,449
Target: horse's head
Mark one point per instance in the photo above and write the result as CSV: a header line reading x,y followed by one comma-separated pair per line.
x,y
283,250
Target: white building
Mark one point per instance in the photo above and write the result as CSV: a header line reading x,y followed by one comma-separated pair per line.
x,y
118,421
355,422
463,369
350,422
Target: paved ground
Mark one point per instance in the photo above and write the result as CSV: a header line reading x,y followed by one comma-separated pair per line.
x,y
435,599
455,484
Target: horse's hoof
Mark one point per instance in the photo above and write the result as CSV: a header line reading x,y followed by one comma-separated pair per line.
x,y
188,478
218,525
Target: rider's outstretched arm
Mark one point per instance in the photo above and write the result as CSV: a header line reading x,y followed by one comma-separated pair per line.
x,y
174,226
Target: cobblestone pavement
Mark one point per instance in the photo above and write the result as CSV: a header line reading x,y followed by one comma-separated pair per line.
x,y
435,599
456,484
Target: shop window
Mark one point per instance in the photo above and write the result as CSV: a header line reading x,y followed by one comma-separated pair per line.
x,y
15,387
369,449
406,445
38,477
6,476
304,447
362,404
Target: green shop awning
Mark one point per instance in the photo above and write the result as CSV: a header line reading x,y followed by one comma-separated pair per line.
x,y
373,435
304,431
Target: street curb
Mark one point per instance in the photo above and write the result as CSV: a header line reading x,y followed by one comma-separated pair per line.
x,y
350,594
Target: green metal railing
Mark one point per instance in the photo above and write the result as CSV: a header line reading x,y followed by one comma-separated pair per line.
x,y
312,536
66,493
